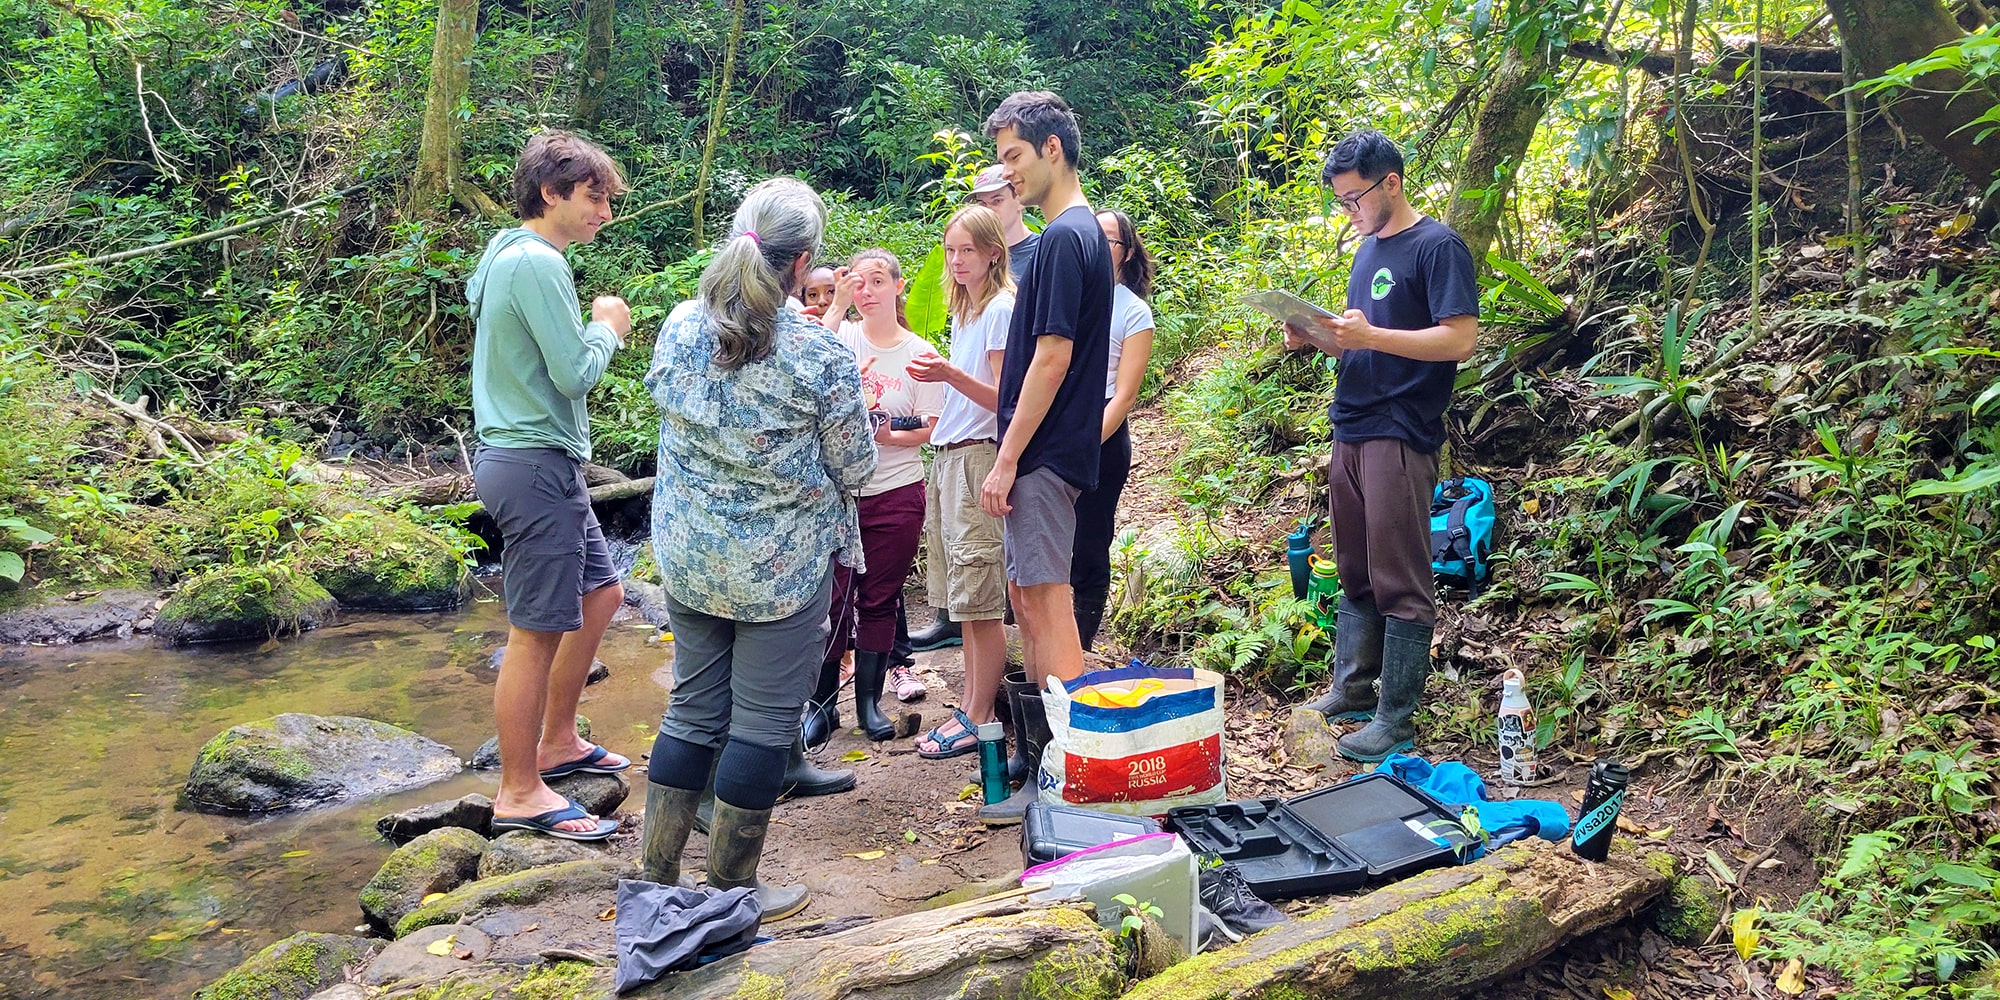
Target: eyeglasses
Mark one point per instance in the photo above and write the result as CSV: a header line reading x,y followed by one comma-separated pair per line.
x,y
1353,203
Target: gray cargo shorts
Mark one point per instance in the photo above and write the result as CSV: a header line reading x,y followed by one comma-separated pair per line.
x,y
553,549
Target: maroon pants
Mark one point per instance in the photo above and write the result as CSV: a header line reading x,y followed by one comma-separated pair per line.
x,y
892,524
1381,513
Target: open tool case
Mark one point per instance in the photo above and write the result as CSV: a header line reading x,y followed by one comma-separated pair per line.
x,y
1371,828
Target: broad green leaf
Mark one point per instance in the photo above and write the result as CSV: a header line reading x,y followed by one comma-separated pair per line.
x,y
11,566
1978,479
926,305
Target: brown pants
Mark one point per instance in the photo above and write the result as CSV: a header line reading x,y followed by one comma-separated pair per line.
x,y
1380,509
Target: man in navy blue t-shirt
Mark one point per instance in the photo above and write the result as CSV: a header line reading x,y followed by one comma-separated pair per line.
x,y
1051,408
1412,315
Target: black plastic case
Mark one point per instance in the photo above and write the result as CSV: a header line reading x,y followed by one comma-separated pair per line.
x,y
1371,828
1050,832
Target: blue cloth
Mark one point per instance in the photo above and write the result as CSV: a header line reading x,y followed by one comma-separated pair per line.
x,y
1457,786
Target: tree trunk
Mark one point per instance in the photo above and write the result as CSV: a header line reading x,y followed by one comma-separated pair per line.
x,y
715,115
1521,92
1885,33
599,17
436,490
1439,934
436,176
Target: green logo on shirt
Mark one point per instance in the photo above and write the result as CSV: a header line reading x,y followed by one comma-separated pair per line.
x,y
1378,286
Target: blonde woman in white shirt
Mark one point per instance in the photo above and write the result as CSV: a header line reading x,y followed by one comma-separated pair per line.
x,y
965,570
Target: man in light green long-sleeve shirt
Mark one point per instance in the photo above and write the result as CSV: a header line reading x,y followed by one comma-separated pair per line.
x,y
533,362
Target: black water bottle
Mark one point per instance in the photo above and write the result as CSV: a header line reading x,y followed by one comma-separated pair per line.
x,y
1603,793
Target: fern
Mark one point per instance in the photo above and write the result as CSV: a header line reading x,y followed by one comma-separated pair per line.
x,y
1864,853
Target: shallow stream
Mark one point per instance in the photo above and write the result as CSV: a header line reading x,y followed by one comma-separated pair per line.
x,y
113,889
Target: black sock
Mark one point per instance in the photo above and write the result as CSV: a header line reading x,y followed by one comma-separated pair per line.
x,y
676,763
750,776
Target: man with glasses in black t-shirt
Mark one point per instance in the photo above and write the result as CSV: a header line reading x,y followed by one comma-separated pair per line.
x,y
1412,315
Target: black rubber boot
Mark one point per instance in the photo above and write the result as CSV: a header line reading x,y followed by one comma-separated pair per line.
x,y
734,850
900,651
1089,612
1032,736
822,714
1357,662
669,818
1406,664
804,779
1011,684
870,671
945,633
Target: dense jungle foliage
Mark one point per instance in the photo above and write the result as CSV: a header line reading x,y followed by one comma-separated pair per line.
x,y
1736,385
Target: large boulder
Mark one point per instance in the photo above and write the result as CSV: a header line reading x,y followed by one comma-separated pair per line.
x,y
293,760
487,757
293,969
438,861
597,877
378,561
473,812
520,850
243,602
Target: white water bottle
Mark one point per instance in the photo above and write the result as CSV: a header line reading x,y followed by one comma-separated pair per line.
x,y
1517,731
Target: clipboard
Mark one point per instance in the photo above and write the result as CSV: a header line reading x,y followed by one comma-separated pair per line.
x,y
1285,307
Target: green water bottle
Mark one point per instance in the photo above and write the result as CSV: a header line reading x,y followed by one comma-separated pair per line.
x,y
992,762
1323,590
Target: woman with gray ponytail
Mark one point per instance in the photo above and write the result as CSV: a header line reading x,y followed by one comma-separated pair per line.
x,y
763,441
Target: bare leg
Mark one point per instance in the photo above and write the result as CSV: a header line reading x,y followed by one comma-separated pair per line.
x,y
519,698
985,662
560,743
1031,661
1048,620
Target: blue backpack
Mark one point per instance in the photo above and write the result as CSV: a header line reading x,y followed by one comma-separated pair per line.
x,y
1462,518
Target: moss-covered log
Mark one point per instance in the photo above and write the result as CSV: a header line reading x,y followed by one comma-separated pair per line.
x,y
1435,935
997,947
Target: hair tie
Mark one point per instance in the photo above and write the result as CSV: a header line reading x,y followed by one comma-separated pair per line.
x,y
752,233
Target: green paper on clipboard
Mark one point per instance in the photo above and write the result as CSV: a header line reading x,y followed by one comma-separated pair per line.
x,y
1285,307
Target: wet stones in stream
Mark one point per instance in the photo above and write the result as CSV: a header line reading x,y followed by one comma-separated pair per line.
x,y
293,969
536,889
520,850
374,560
599,670
295,760
438,861
487,757
473,812
243,602
62,621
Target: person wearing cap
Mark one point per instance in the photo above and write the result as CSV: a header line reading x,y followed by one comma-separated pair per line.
x,y
993,190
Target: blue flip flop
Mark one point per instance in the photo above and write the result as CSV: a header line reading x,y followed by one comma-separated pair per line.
x,y
587,764
546,823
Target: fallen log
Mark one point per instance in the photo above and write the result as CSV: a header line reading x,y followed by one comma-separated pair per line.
x,y
1435,935
434,491
1001,946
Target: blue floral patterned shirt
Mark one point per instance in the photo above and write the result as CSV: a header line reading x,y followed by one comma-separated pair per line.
x,y
758,467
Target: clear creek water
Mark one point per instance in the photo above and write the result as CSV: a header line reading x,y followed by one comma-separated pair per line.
x,y
112,888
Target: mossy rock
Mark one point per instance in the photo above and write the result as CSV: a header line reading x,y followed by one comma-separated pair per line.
x,y
463,904
293,760
292,969
1688,911
438,861
520,850
243,602
373,560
